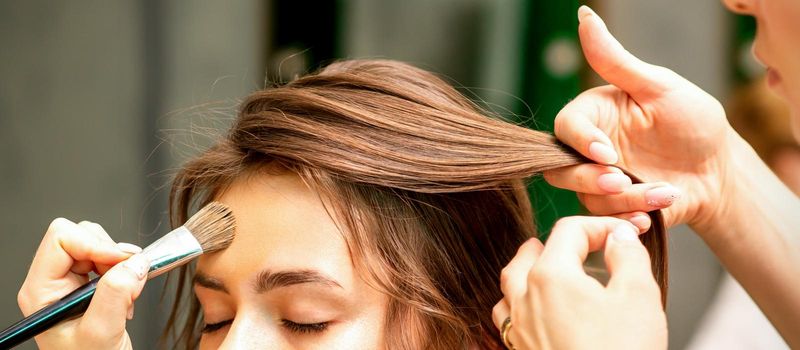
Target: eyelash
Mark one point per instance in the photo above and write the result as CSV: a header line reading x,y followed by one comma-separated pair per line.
x,y
300,328
213,327
305,328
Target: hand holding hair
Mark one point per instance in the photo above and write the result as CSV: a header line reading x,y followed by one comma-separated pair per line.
x,y
657,123
553,304
650,120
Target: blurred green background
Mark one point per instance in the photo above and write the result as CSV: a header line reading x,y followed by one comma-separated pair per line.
x,y
101,101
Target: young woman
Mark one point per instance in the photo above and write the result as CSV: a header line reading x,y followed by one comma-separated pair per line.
x,y
375,206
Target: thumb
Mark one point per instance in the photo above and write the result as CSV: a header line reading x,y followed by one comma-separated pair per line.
x,y
627,260
616,65
116,291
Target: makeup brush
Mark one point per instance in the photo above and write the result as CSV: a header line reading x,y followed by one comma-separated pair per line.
x,y
209,230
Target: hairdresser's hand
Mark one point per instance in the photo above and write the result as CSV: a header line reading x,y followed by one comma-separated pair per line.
x,y
554,304
62,263
650,121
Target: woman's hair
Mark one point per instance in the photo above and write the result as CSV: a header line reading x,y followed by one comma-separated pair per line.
x,y
427,189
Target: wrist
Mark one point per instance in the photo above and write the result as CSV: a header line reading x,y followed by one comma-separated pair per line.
x,y
731,185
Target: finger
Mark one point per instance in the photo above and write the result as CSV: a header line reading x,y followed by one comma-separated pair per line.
x,y
500,312
639,197
627,260
572,239
616,65
128,248
116,291
84,267
102,235
577,125
589,178
513,277
65,243
639,219
96,230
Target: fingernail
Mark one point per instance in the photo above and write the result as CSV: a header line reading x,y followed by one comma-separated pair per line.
x,y
625,233
139,265
130,313
613,182
662,196
129,248
601,137
602,153
641,221
583,12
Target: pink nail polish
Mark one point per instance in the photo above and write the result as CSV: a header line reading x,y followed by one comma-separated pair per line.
x,y
662,196
602,153
613,182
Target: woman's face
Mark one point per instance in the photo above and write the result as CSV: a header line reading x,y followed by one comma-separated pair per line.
x,y
777,46
287,281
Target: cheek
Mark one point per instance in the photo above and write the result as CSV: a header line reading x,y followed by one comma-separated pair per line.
x,y
780,19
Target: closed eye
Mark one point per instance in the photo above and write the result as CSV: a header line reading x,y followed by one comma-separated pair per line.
x,y
305,328
213,327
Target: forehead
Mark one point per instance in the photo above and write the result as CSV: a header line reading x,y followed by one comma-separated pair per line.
x,y
281,223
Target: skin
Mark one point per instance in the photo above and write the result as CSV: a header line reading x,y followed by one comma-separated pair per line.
x,y
554,304
66,255
282,228
776,46
665,128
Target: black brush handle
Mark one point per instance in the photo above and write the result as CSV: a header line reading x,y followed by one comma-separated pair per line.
x,y
70,306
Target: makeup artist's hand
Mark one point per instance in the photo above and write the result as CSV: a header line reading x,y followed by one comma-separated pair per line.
x,y
62,263
554,304
651,121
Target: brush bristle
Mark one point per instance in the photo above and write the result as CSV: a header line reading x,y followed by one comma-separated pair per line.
x,y
212,226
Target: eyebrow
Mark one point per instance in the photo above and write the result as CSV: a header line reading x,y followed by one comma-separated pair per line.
x,y
267,280
209,282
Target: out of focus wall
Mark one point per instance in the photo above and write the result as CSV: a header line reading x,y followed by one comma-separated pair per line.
x,y
87,96
72,143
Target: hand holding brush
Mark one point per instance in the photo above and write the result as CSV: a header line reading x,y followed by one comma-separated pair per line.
x,y
93,315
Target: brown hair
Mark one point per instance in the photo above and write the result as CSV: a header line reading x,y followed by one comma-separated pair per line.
x,y
428,190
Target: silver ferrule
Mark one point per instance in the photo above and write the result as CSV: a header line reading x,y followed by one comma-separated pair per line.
x,y
174,249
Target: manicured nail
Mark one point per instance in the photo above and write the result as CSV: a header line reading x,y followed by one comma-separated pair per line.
x,y
625,233
641,221
139,265
662,196
129,248
600,136
613,182
130,313
583,12
602,153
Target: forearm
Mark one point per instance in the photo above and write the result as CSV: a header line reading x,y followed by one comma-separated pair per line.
x,y
756,235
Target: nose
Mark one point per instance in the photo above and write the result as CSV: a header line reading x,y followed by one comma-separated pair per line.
x,y
742,7
249,333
